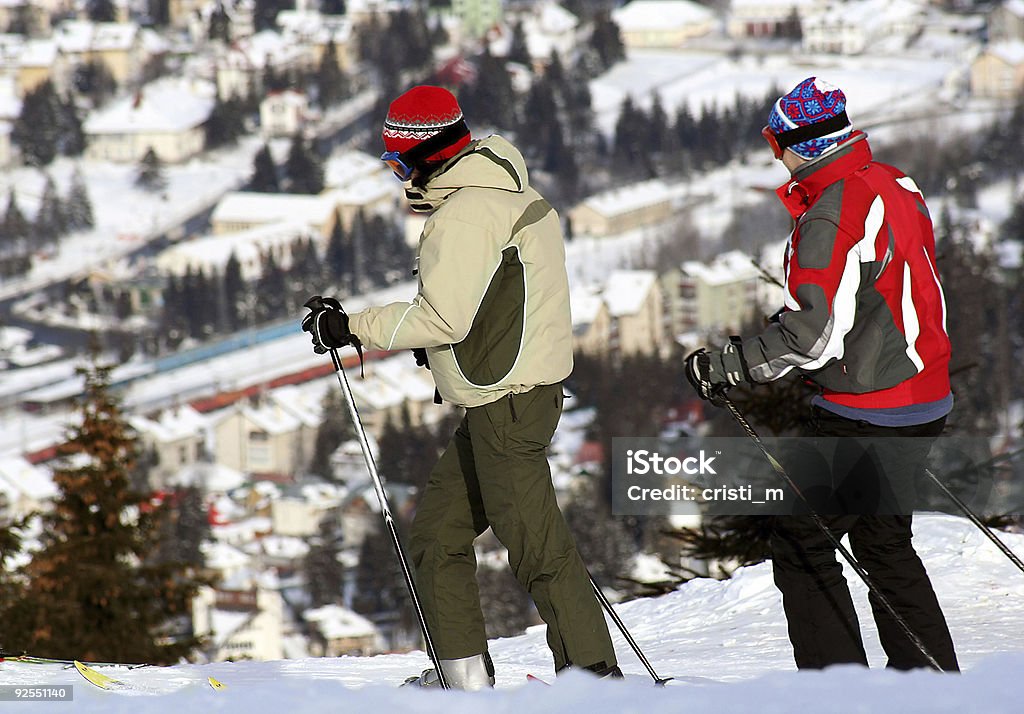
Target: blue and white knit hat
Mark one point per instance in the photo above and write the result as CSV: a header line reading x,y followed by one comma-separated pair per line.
x,y
811,102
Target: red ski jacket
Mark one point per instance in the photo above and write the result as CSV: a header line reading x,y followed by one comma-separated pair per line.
x,y
865,315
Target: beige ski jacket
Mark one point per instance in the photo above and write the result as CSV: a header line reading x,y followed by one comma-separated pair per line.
x,y
493,302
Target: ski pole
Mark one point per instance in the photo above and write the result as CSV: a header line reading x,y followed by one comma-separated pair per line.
x,y
976,521
659,681
819,521
385,509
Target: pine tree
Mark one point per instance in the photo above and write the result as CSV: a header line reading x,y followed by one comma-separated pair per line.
x,y
94,81
72,135
303,170
219,27
324,573
264,172
518,50
15,228
78,206
331,83
234,289
607,41
150,175
36,131
101,10
335,428
92,590
51,222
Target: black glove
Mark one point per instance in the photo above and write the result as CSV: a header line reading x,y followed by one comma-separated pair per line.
x,y
713,374
420,353
328,324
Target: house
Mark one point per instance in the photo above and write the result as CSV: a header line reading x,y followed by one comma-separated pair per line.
x,y
267,436
176,436
240,621
210,254
316,31
591,321
636,307
24,17
301,508
998,71
24,488
848,28
720,296
284,113
167,116
339,631
638,205
241,67
662,23
117,45
767,18
360,182
1006,21
244,210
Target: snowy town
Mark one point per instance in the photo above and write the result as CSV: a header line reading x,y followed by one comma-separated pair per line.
x,y
158,156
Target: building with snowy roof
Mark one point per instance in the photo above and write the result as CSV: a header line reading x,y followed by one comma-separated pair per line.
x,y
240,621
338,631
284,113
625,315
848,28
167,116
662,23
245,210
269,436
210,254
25,17
1006,21
998,71
315,31
176,436
118,46
591,321
636,307
767,18
241,67
619,210
717,297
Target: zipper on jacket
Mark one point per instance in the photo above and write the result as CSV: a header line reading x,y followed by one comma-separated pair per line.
x,y
512,407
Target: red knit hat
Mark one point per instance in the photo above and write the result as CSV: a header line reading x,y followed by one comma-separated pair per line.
x,y
421,113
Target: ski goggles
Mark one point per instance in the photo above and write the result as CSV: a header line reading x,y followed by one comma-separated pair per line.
x,y
784,139
403,163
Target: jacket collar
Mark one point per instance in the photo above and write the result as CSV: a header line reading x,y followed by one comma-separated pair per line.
x,y
491,162
810,179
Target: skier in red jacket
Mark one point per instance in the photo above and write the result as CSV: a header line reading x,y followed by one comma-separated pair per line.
x,y
864,319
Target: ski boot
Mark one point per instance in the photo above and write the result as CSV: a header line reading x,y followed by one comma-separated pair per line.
x,y
468,673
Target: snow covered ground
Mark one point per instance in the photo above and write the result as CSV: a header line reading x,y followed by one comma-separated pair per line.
x,y
724,642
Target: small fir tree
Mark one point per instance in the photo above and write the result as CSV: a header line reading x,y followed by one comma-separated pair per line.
x,y
151,172
92,591
264,172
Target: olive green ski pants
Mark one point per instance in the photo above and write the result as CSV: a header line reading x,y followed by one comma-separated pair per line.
x,y
495,473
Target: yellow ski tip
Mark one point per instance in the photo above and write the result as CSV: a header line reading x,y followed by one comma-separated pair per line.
x,y
219,686
98,678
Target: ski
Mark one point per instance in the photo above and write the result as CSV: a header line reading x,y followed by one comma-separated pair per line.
x,y
99,679
110,684
531,678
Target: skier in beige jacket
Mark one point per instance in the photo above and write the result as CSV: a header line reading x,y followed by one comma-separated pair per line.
x,y
492,312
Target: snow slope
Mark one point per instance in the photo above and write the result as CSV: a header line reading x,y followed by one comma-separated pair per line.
x,y
724,641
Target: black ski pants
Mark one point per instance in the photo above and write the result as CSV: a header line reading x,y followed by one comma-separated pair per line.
x,y
823,626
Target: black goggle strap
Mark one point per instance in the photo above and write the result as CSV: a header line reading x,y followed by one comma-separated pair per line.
x,y
441,140
788,138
